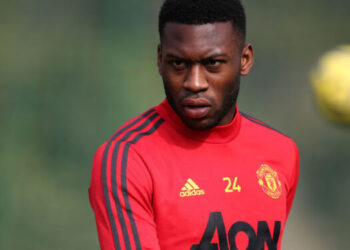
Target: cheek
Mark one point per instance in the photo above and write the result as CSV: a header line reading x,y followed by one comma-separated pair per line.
x,y
222,83
172,81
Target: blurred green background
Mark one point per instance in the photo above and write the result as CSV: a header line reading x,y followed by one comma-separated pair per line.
x,y
71,72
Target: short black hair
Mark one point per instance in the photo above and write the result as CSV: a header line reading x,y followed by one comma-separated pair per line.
x,y
203,12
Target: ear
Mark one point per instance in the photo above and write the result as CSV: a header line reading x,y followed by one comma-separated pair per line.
x,y
159,58
247,59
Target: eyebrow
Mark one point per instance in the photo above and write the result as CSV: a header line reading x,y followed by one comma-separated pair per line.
x,y
207,58
174,56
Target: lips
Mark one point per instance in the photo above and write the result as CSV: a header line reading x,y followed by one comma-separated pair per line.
x,y
196,108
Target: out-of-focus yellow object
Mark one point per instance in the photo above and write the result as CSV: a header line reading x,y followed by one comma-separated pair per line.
x,y
331,83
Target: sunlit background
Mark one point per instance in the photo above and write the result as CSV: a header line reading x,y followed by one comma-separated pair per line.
x,y
71,72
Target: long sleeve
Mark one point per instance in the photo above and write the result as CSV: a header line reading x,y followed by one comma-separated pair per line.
x,y
293,179
120,194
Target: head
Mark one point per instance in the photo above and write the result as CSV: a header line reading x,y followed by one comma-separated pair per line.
x,y
201,56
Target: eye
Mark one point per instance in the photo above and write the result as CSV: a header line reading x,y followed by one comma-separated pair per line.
x,y
178,63
214,63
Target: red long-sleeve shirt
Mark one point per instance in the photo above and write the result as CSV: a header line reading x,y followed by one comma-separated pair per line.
x,y
156,184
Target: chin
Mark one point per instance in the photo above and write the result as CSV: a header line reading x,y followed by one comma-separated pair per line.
x,y
200,124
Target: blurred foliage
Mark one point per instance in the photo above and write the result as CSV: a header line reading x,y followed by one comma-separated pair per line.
x,y
71,72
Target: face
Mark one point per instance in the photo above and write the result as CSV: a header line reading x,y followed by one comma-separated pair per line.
x,y
201,67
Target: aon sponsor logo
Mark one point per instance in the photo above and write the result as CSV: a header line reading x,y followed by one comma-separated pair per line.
x,y
256,240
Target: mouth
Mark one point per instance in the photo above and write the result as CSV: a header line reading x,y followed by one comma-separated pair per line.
x,y
196,108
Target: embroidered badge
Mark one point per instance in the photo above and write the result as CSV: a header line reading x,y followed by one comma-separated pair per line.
x,y
268,180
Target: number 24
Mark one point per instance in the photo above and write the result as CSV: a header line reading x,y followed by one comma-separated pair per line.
x,y
231,186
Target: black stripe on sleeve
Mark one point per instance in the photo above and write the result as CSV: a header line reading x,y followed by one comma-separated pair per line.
x,y
124,182
114,177
104,176
250,118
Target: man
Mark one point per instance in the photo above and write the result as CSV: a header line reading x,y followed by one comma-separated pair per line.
x,y
194,172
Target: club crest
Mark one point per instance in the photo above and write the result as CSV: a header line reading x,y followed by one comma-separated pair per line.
x,y
268,180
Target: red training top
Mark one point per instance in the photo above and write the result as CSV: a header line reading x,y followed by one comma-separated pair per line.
x,y
156,184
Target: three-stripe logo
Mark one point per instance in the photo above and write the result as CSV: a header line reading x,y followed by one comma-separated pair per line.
x,y
191,189
114,171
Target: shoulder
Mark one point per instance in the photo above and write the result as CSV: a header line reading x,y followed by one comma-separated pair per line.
x,y
120,147
260,125
257,127
271,141
132,132
261,132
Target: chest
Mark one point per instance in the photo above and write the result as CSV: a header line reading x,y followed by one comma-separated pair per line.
x,y
197,189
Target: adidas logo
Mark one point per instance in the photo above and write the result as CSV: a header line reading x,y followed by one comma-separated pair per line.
x,y
191,189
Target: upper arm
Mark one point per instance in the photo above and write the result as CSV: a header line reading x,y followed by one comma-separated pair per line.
x,y
294,176
121,196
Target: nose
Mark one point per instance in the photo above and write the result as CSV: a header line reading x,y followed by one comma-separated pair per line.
x,y
195,79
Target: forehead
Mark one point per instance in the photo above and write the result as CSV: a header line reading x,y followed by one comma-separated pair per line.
x,y
204,37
